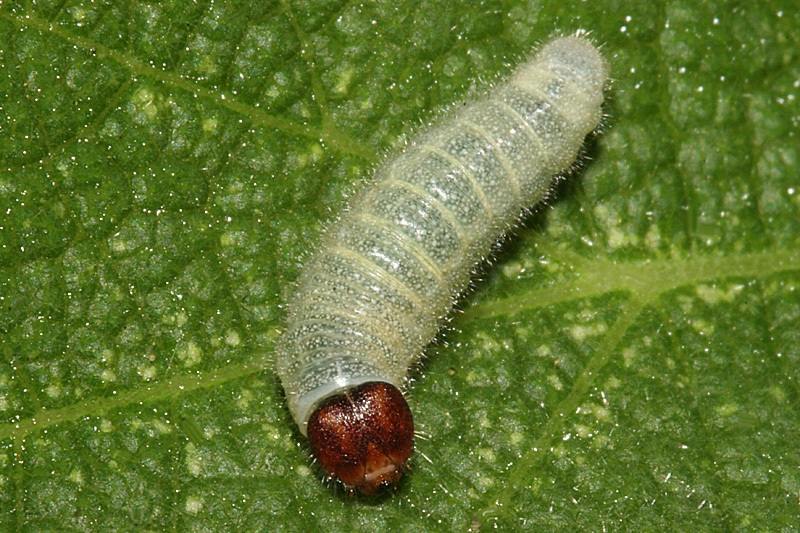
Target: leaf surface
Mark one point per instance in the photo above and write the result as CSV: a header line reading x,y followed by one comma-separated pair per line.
x,y
628,360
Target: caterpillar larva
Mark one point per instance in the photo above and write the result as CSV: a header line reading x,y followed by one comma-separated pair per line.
x,y
389,270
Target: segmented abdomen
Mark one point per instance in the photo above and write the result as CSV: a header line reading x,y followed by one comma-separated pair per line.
x,y
389,269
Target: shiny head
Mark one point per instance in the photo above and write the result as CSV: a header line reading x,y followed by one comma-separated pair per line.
x,y
363,437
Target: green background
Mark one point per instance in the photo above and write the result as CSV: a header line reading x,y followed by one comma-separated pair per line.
x,y
628,362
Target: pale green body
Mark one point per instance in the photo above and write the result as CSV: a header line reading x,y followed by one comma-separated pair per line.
x,y
388,271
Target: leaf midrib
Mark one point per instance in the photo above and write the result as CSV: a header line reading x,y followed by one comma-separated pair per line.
x,y
647,279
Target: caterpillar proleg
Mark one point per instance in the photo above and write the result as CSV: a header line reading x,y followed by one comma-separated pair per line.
x,y
389,269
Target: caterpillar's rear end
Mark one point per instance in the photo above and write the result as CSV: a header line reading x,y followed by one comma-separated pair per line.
x,y
389,270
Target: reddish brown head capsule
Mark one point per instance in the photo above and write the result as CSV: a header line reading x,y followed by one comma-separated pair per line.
x,y
363,437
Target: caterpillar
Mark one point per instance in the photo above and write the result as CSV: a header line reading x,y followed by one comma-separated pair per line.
x,y
391,266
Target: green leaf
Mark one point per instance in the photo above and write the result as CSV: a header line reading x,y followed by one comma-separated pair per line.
x,y
630,360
